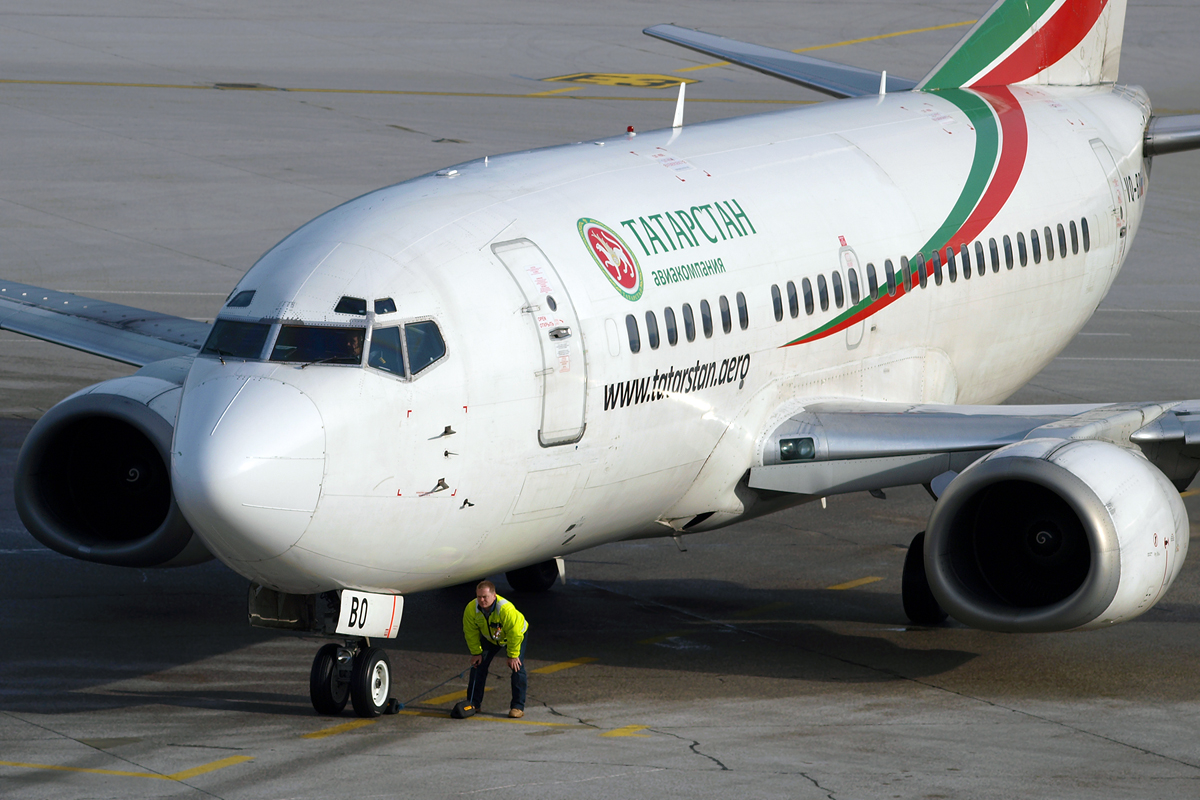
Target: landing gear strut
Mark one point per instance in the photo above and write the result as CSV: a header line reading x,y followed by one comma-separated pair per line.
x,y
919,603
356,672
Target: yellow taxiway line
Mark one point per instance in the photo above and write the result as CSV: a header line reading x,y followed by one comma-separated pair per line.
x,y
175,776
575,662
336,729
853,584
847,42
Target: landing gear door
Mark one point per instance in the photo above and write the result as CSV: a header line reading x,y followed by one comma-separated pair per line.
x,y
552,314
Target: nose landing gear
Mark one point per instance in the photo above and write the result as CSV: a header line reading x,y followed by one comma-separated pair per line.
x,y
356,672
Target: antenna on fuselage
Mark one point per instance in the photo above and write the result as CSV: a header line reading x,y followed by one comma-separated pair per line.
x,y
678,123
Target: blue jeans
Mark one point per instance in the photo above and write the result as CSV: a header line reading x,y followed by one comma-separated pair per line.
x,y
520,679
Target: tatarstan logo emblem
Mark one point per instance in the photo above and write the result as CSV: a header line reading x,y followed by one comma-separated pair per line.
x,y
613,257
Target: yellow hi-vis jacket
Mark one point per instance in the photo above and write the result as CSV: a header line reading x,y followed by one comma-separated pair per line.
x,y
505,626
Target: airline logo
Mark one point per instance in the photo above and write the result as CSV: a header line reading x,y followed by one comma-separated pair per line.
x,y
613,257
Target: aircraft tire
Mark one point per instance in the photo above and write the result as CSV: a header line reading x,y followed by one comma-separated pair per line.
x,y
534,578
371,682
919,603
327,692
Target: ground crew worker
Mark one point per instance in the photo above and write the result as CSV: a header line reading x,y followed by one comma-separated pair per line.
x,y
492,624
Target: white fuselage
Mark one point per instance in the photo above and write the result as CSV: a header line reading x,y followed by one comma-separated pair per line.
x,y
327,476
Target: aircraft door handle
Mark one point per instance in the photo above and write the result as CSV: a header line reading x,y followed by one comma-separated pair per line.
x,y
560,333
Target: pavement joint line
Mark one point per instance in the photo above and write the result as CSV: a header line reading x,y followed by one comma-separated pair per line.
x,y
754,612
575,662
489,718
628,730
175,776
847,42
336,729
411,93
854,584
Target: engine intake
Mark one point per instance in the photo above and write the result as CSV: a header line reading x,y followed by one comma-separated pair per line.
x,y
1052,535
93,481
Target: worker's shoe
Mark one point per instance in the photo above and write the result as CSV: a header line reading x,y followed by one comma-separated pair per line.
x,y
516,713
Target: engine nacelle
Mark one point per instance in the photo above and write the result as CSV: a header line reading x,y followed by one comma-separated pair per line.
x,y
93,477
1054,535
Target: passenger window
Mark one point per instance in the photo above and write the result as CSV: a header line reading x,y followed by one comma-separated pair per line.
x,y
919,269
1035,245
937,267
652,330
635,339
852,278
706,318
980,264
839,297
966,261
793,300
777,302
905,274
672,331
425,344
236,339
890,275
872,282
689,323
806,285
743,313
386,305
1021,251
1062,240
951,265
385,351
1008,254
1087,237
1074,239
726,320
995,251
351,305
313,344
823,292
1049,243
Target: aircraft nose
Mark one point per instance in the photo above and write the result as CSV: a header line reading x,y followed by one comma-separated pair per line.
x,y
247,465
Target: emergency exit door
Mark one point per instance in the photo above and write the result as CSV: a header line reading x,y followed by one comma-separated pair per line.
x,y
1113,176
552,315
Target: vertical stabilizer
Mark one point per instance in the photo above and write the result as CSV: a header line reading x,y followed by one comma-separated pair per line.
x,y
1051,42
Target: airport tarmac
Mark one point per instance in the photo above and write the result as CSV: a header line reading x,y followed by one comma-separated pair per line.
x,y
151,154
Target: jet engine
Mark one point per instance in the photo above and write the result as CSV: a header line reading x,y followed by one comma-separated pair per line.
x,y
93,477
1054,535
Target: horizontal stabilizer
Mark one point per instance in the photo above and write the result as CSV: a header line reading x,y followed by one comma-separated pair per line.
x,y
1172,134
122,333
829,77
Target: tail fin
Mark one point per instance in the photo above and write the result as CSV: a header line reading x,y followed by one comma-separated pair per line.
x,y
1058,42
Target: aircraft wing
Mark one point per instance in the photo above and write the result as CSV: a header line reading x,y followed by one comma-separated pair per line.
x,y
835,448
829,77
122,333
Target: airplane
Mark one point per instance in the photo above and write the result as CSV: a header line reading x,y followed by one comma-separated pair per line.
x,y
488,368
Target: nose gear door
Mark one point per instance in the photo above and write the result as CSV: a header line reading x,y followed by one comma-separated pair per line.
x,y
550,310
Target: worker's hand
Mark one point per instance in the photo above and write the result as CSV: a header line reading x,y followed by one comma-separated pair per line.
x,y
514,664
476,660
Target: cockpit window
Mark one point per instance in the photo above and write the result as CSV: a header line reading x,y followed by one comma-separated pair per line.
x,y
385,351
351,305
299,343
385,305
241,299
425,344
232,339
